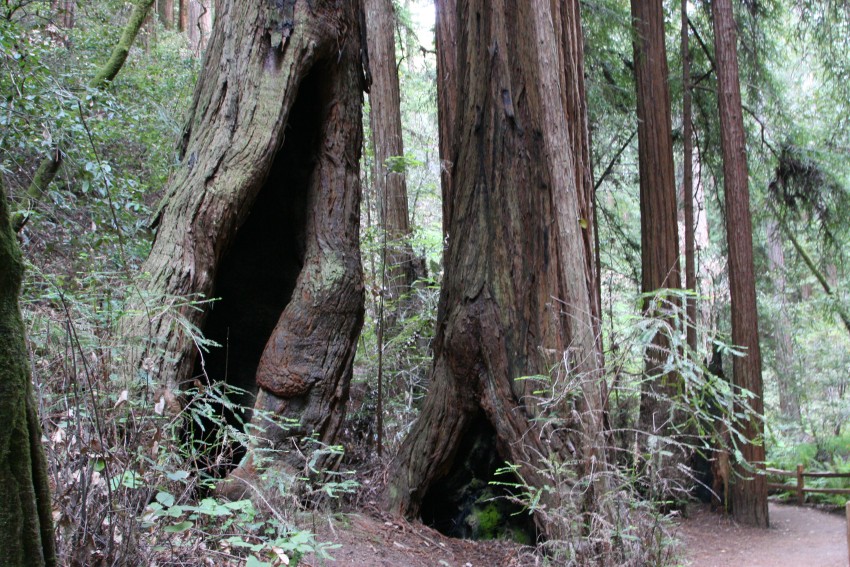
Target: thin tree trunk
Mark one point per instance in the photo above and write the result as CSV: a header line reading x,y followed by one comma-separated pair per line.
x,y
749,491
822,279
688,185
183,15
385,118
66,10
515,297
165,10
120,52
786,375
26,524
658,209
263,213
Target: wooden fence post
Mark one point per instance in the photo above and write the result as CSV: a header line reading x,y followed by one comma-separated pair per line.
x,y
847,517
800,494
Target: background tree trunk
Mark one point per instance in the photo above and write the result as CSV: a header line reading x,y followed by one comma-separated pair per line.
x,y
263,213
749,491
65,11
165,10
786,375
385,118
515,297
688,184
26,522
183,15
658,210
199,24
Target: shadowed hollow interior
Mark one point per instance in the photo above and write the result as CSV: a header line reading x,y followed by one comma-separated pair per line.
x,y
258,273
465,504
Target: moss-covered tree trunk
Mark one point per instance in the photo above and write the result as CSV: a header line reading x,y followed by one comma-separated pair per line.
x,y
26,524
517,296
263,213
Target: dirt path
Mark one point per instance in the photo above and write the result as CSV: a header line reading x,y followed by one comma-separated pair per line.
x,y
798,537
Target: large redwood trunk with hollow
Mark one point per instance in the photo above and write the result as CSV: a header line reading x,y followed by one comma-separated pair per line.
x,y
263,213
749,490
516,299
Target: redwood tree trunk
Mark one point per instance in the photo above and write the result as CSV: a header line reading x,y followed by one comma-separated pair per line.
x,y
688,184
749,491
183,15
447,84
658,210
515,299
385,118
786,375
263,213
572,63
165,10
26,523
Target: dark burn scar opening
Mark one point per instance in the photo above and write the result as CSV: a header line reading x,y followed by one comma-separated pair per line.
x,y
258,272
465,503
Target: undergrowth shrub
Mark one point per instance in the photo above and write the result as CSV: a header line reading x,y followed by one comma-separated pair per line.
x,y
134,483
649,476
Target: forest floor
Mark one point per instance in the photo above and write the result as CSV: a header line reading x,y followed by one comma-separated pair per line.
x,y
798,537
377,540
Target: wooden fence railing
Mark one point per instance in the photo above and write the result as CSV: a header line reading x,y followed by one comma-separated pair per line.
x,y
800,488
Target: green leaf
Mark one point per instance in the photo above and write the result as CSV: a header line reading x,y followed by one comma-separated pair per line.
x,y
177,528
165,498
177,475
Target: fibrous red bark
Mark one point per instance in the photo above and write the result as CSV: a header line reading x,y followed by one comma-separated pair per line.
x,y
385,119
516,299
263,214
749,490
